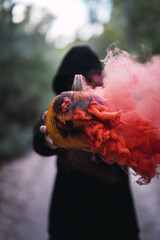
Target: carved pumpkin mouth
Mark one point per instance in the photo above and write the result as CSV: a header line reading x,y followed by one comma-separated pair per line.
x,y
68,129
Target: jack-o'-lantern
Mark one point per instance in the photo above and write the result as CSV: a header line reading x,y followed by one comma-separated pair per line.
x,y
62,126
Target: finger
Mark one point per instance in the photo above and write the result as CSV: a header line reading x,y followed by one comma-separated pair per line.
x,y
49,140
43,129
50,143
44,116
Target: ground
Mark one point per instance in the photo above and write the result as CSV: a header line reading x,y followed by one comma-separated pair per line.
x,y
26,185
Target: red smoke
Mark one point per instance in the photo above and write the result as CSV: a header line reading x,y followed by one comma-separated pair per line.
x,y
129,129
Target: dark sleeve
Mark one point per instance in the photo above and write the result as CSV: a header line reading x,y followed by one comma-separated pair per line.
x,y
39,144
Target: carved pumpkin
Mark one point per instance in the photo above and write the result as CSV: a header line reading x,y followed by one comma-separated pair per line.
x,y
62,127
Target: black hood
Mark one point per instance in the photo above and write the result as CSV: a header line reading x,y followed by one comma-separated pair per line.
x,y
79,60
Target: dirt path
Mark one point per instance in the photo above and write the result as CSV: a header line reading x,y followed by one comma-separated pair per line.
x,y
147,203
26,185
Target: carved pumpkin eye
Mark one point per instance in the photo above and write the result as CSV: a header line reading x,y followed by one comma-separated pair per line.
x,y
63,130
64,105
67,129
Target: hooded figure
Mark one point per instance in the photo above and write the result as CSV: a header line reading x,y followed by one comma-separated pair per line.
x,y
91,199
81,60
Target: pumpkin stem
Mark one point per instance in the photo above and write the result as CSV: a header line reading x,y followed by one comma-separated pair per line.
x,y
77,82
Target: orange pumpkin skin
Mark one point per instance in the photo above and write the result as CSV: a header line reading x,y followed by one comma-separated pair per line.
x,y
63,116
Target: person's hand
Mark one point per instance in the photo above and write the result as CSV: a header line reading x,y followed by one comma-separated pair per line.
x,y
48,140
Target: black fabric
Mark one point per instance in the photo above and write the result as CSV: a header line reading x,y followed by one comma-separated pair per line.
x,y
39,144
79,60
89,210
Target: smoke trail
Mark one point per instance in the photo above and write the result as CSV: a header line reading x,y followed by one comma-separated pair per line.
x,y
130,85
134,88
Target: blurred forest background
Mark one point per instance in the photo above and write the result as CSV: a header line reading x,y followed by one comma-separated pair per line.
x,y
28,61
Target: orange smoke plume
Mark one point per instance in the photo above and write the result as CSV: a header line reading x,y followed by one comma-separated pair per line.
x,y
133,88
108,136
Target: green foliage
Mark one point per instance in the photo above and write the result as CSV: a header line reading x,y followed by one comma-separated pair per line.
x,y
27,64
145,22
135,25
